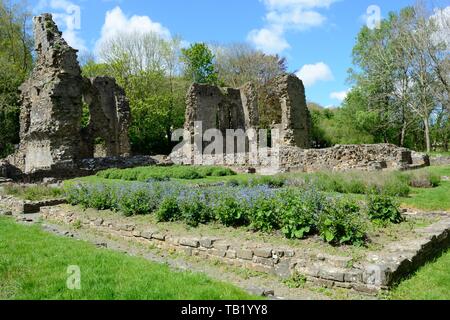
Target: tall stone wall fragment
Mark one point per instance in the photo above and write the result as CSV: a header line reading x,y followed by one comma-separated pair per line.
x,y
109,117
295,127
51,135
51,102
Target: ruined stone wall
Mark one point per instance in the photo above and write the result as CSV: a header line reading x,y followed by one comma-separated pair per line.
x,y
51,102
346,157
221,108
295,127
227,108
109,117
51,137
339,158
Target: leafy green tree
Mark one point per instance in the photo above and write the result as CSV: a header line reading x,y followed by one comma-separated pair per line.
x,y
148,68
15,65
199,61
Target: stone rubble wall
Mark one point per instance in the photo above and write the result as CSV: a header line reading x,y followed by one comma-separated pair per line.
x,y
19,206
110,117
378,271
51,137
339,158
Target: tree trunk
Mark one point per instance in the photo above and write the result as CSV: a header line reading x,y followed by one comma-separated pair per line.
x,y
403,134
427,134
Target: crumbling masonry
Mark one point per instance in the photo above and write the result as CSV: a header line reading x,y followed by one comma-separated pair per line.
x,y
227,108
51,134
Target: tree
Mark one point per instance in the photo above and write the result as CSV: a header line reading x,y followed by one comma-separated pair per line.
x,y
402,71
239,63
148,67
15,65
199,64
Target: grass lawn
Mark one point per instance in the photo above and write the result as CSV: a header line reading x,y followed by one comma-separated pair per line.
x,y
432,282
33,265
433,198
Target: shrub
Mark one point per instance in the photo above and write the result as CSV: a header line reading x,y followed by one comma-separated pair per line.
x,y
77,194
264,215
100,197
230,212
340,223
169,210
383,209
396,188
297,212
270,181
424,179
355,186
138,200
194,210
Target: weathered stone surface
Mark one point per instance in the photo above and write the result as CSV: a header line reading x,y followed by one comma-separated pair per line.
x,y
193,243
207,242
263,252
295,124
231,254
51,102
52,139
109,118
159,236
245,254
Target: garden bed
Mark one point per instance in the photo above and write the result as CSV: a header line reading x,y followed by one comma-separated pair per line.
x,y
366,270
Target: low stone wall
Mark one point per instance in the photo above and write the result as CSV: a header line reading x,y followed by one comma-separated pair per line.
x,y
339,158
376,272
81,168
19,206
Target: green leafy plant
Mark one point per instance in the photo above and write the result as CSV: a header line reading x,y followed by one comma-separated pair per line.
x,y
340,223
297,215
383,209
230,213
297,280
264,215
168,210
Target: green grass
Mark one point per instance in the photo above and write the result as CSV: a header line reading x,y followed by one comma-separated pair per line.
x,y
33,265
432,282
163,173
33,193
431,198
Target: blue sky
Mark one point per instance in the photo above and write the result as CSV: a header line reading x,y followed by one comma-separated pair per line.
x,y
316,36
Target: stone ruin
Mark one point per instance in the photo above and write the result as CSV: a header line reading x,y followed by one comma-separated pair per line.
x,y
229,108
52,139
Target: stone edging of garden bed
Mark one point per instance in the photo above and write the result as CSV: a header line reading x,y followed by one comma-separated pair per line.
x,y
377,272
21,206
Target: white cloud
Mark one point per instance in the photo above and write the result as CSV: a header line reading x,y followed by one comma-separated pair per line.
x,y
270,41
116,22
297,19
339,95
68,18
287,15
313,73
277,4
